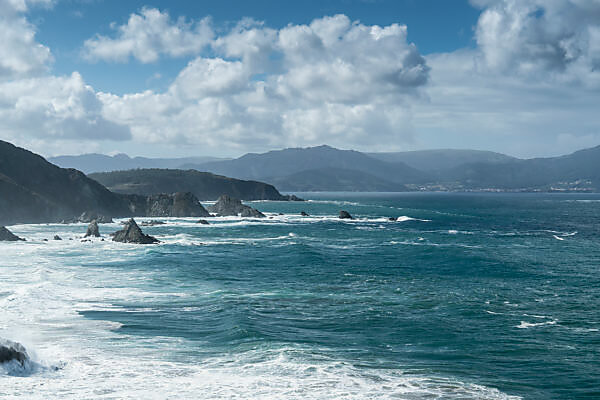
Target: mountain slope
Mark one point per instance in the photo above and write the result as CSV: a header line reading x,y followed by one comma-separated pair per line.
x,y
281,163
336,180
89,163
536,173
204,185
34,190
442,159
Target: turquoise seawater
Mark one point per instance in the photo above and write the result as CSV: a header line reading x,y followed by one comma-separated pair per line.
x,y
464,296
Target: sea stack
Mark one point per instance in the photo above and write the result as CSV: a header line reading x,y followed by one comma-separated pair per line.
x,y
131,233
228,206
8,236
345,215
92,230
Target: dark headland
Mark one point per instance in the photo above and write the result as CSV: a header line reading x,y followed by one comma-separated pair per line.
x,y
33,190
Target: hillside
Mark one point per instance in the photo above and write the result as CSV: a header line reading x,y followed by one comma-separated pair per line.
x,y
287,162
34,190
204,185
89,163
336,180
577,170
442,159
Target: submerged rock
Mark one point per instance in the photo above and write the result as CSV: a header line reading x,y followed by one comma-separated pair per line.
x,y
345,215
56,237
228,206
92,230
131,233
304,214
10,351
203,222
8,236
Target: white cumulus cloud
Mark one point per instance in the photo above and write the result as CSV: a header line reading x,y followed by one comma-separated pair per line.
x,y
39,110
149,34
332,81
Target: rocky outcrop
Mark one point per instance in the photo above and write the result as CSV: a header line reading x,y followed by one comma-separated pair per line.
x,y
203,222
167,205
304,214
228,206
292,197
10,351
152,223
89,216
131,233
92,230
56,237
8,236
345,215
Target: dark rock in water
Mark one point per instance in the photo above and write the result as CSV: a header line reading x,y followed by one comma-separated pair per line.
x,y
87,217
304,214
8,236
391,219
44,240
152,223
281,214
92,230
175,205
228,206
10,351
132,233
56,237
251,213
90,216
345,215
292,197
203,222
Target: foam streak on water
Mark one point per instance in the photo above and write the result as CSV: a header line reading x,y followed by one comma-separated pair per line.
x,y
454,297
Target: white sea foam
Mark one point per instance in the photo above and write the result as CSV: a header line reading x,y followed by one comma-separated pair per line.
x,y
405,218
44,291
526,325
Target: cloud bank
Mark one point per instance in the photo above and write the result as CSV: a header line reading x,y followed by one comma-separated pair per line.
x,y
332,81
37,109
528,86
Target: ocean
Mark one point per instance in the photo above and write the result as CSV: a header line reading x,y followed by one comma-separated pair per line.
x,y
463,296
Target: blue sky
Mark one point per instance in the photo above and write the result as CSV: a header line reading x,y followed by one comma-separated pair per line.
x,y
182,78
435,26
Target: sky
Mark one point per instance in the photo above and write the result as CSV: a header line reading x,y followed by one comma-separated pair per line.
x,y
208,78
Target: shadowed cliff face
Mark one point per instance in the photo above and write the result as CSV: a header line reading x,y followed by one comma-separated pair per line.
x,y
33,190
204,185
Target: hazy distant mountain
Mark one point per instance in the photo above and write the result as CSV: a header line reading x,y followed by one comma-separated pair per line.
x,y
284,163
204,185
335,179
443,159
326,168
90,163
577,170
